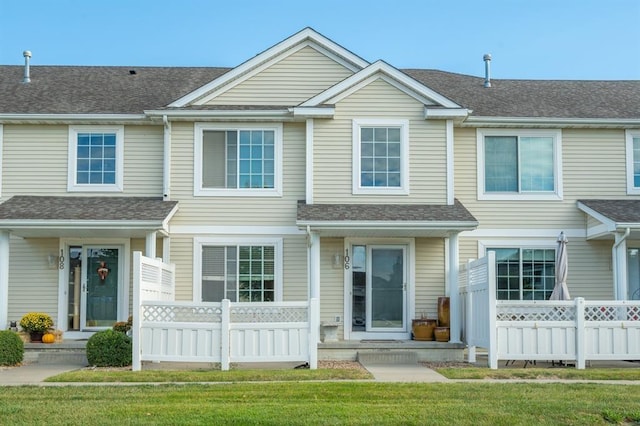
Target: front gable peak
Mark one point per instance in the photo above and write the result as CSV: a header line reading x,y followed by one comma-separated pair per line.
x,y
301,40
393,76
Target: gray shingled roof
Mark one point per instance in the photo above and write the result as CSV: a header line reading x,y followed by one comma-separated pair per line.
x,y
536,98
97,90
113,90
385,213
618,211
117,209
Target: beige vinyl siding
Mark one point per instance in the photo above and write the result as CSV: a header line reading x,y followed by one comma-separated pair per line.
x,y
33,286
35,161
294,266
430,277
590,274
289,82
143,160
218,211
331,283
295,285
593,167
333,144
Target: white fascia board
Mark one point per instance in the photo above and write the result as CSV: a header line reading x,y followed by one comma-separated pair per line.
x,y
611,225
306,34
313,112
445,113
75,117
551,122
333,93
382,225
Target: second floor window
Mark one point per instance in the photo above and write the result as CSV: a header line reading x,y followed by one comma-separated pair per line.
x,y
233,161
95,158
633,162
380,156
521,164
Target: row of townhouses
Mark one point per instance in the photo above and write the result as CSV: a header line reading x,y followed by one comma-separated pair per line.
x,y
309,172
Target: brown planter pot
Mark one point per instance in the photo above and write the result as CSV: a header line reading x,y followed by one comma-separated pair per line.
x,y
443,312
442,334
423,329
36,336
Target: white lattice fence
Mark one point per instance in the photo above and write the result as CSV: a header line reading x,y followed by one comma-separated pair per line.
x,y
568,330
228,332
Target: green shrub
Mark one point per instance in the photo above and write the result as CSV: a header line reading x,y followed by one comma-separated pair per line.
x,y
109,348
11,348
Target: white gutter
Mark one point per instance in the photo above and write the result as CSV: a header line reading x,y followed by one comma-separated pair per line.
x,y
166,170
445,113
474,121
74,117
394,225
313,112
243,114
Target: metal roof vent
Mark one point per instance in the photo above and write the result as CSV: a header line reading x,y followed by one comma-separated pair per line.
x,y
487,69
27,77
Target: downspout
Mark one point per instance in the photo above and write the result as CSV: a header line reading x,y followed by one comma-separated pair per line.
x,y
166,170
618,264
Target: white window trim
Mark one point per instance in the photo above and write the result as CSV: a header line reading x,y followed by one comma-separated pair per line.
x,y
629,135
404,156
199,242
520,244
557,165
72,186
199,191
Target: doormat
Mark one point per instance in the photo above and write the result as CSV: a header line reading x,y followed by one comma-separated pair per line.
x,y
380,341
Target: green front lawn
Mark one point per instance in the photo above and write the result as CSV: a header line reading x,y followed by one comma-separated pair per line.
x,y
190,376
323,403
569,373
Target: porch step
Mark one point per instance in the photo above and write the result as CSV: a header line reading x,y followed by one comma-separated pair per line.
x,y
68,352
387,357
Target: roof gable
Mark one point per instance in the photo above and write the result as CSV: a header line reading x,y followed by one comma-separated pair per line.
x,y
305,38
380,70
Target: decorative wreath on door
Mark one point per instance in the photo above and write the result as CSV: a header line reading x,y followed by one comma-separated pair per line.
x,y
103,270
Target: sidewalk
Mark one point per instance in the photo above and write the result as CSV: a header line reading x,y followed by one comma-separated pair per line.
x,y
33,374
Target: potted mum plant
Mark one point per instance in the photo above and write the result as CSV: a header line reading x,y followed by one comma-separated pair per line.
x,y
36,324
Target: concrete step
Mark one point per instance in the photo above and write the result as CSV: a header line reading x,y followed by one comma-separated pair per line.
x,y
68,352
387,357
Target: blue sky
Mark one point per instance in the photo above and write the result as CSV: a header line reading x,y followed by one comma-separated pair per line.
x,y
528,39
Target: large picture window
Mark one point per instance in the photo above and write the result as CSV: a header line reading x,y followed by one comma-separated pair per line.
x,y
95,158
380,156
240,272
237,161
514,164
524,273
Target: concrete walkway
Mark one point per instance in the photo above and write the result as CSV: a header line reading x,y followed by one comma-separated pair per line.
x,y
409,373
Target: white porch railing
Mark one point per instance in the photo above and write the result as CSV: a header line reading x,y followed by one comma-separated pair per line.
x,y
575,330
166,330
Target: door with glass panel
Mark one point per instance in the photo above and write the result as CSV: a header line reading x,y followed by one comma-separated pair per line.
x,y
379,288
94,286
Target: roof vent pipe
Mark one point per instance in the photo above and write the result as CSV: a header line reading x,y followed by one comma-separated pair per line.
x,y
487,69
27,56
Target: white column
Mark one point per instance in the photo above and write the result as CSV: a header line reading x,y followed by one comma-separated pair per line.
x,y
166,249
314,265
4,279
454,296
620,267
150,245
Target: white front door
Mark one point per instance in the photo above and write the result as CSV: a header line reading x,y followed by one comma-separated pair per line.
x,y
379,291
